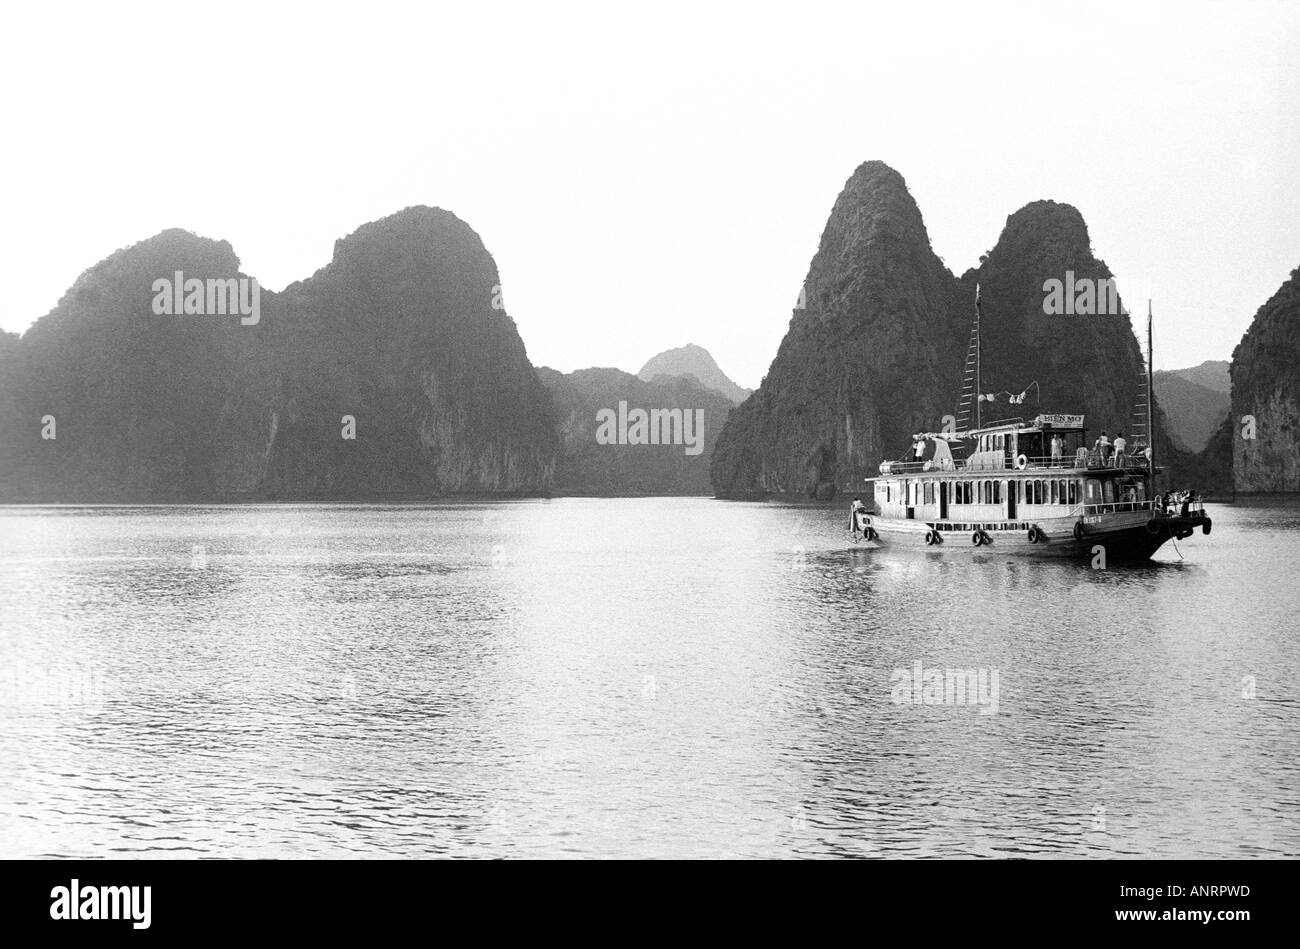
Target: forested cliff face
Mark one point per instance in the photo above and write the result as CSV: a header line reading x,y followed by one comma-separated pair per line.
x,y
874,354
880,350
399,332
133,401
1266,394
1085,363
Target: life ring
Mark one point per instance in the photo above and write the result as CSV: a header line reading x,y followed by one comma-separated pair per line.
x,y
931,538
1034,534
869,533
1205,528
1153,527
977,538
1078,531
1022,462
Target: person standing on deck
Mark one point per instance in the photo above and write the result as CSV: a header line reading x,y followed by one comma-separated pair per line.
x,y
1056,451
853,514
1103,448
1120,445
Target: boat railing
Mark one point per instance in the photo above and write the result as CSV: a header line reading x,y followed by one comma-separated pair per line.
x,y
1111,507
1080,460
1088,459
1173,508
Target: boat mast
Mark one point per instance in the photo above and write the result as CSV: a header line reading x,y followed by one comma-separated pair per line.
x,y
978,398
970,379
1151,430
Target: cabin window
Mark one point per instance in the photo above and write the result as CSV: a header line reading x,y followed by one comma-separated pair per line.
x,y
929,492
1053,492
997,492
1108,491
1074,492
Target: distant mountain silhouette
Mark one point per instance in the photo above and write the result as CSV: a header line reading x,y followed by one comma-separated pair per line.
x,y
399,331
692,360
1212,374
878,352
1194,411
587,467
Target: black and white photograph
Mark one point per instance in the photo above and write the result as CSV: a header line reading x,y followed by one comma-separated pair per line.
x,y
710,433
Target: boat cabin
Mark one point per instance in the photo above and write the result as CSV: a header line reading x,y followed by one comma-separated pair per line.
x,y
1011,471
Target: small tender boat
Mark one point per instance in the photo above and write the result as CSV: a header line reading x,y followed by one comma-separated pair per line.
x,y
1026,488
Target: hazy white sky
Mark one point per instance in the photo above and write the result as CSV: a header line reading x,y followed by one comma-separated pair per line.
x,y
651,175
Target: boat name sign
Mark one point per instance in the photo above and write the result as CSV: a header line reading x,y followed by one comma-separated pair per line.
x,y
1061,421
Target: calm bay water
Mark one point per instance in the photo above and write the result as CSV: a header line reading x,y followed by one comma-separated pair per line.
x,y
630,678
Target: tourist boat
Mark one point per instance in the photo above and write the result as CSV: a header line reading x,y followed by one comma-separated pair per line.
x,y
1027,488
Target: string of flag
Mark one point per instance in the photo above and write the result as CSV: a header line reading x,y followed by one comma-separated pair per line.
x,y
1013,398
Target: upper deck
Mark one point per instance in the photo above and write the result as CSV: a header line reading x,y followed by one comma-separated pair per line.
x,y
1048,442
